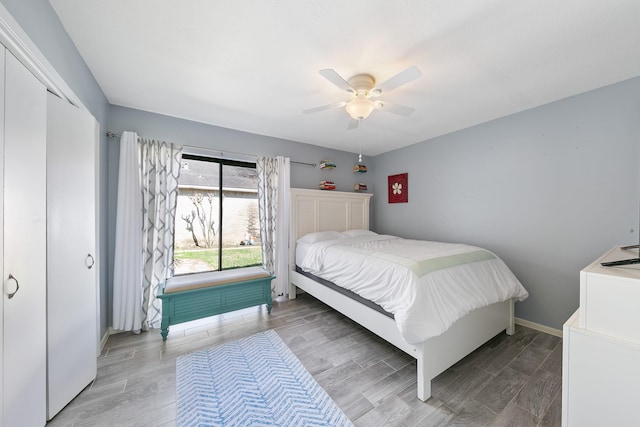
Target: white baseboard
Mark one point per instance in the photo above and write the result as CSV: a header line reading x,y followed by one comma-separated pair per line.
x,y
105,337
539,327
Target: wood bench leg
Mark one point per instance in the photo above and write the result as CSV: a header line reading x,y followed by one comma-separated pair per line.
x,y
164,323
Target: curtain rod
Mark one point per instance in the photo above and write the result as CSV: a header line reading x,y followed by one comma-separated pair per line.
x,y
115,135
303,163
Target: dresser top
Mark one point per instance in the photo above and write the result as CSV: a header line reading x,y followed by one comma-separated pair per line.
x,y
616,254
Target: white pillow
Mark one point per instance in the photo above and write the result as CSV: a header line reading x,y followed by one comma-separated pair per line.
x,y
320,236
301,252
357,233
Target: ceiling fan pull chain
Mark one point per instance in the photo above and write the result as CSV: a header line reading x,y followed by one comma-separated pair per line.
x,y
359,142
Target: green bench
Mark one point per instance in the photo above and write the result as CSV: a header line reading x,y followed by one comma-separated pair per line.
x,y
190,297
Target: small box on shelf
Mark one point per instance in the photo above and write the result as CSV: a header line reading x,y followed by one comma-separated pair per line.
x,y
358,168
327,185
327,164
359,187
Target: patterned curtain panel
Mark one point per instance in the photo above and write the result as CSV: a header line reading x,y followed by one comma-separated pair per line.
x,y
273,208
160,169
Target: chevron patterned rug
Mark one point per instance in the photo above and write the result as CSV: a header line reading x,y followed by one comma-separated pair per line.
x,y
255,381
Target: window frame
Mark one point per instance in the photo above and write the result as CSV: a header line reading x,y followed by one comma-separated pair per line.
x,y
222,162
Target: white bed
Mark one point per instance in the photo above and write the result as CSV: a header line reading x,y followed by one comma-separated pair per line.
x,y
315,211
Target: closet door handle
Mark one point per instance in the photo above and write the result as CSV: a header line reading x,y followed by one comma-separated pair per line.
x,y
11,294
89,262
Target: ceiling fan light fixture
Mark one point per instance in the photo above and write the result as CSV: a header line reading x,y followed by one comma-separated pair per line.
x,y
362,88
360,107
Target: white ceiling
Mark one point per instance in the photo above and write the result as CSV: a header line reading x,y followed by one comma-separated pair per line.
x,y
252,65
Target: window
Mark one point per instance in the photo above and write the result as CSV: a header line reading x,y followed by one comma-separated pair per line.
x,y
217,224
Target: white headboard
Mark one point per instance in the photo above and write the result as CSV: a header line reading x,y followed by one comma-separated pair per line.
x,y
323,210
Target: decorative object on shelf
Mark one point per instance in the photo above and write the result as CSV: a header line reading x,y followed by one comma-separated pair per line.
x,y
327,164
358,186
357,168
398,188
327,185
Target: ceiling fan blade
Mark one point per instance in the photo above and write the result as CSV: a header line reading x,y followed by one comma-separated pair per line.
x,y
324,107
335,78
353,124
401,110
403,77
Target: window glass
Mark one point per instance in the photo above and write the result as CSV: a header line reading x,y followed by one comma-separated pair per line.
x,y
241,235
214,233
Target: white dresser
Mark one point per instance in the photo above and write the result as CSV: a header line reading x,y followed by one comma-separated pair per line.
x,y
601,347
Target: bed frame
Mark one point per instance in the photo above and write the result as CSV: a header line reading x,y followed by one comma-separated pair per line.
x,y
318,210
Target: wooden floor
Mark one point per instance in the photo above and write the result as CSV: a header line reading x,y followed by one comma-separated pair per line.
x,y
510,381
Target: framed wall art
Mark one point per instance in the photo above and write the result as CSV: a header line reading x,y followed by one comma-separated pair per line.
x,y
398,188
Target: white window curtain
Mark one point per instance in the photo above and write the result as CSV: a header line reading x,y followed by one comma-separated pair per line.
x,y
273,207
127,265
147,198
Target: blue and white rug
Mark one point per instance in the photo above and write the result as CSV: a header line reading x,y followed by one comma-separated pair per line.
x,y
255,381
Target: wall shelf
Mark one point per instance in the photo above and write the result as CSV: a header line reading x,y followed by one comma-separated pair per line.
x,y
327,164
359,187
327,185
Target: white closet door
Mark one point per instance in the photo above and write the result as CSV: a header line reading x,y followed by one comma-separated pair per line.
x,y
4,298
24,329
71,252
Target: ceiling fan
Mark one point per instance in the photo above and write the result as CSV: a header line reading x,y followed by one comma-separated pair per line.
x,y
363,92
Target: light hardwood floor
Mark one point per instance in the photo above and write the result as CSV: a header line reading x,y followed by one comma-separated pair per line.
x,y
510,381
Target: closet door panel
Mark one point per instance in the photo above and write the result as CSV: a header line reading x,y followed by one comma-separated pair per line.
x,y
2,61
71,252
24,329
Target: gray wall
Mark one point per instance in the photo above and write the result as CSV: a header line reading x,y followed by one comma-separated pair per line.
x,y
39,21
164,128
549,190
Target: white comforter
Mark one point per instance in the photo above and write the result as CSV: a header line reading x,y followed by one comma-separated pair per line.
x,y
427,286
